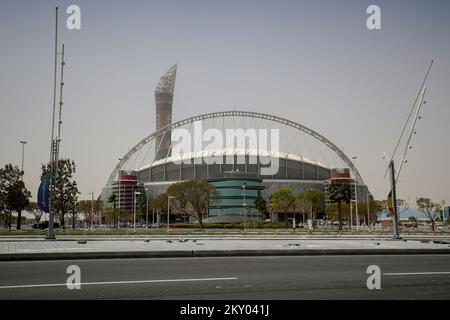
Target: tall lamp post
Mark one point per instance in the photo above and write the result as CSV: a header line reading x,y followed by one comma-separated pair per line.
x,y
146,207
368,209
244,204
356,199
118,217
92,206
444,221
23,153
168,210
135,203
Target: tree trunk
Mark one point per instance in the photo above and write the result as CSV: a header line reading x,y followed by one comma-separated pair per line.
x,y
432,224
73,220
339,216
200,220
19,217
62,220
9,220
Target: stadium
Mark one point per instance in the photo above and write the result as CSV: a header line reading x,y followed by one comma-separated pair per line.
x,y
259,154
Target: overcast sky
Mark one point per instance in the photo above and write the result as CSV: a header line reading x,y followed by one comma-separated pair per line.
x,y
314,62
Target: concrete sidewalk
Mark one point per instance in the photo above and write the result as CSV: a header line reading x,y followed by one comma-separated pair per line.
x,y
39,249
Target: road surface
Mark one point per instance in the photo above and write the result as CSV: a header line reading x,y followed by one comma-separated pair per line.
x,y
301,277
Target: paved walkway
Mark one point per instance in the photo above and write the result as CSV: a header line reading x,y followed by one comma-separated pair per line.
x,y
184,246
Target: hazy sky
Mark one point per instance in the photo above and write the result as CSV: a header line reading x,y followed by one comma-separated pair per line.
x,y
314,62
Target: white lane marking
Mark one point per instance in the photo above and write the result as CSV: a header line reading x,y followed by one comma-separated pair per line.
x,y
414,273
114,282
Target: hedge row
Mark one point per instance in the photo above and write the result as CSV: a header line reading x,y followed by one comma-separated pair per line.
x,y
258,225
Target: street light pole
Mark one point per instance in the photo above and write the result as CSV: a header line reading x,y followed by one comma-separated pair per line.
x,y
351,214
153,213
146,207
356,198
356,205
244,204
444,221
168,211
23,153
368,209
92,207
118,217
135,202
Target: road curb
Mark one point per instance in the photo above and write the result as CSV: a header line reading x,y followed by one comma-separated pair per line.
x,y
213,253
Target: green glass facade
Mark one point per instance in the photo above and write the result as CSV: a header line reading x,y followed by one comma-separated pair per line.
x,y
231,192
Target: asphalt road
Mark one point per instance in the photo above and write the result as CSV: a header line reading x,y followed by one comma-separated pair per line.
x,y
308,277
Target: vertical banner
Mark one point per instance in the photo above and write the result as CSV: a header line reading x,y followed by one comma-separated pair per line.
x,y
44,193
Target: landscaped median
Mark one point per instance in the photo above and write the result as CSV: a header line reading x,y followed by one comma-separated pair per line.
x,y
211,229
17,250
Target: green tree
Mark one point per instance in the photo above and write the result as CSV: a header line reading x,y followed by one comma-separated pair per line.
x,y
9,176
375,209
430,209
74,214
18,199
192,198
261,205
113,214
339,192
89,209
283,200
332,211
66,189
302,204
35,211
160,202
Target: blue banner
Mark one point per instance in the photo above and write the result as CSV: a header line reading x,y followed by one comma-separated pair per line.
x,y
44,193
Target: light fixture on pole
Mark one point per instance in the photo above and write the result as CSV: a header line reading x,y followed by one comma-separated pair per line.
x,y
356,198
118,216
444,220
134,217
92,207
168,210
23,153
146,207
244,204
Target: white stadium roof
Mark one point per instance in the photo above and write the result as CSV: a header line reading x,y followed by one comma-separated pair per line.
x,y
232,152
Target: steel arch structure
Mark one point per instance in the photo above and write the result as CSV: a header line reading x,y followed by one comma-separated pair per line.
x,y
248,114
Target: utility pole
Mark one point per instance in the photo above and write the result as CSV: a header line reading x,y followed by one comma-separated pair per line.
x,y
394,200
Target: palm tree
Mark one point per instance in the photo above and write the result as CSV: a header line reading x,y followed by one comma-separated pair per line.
x,y
112,199
340,192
